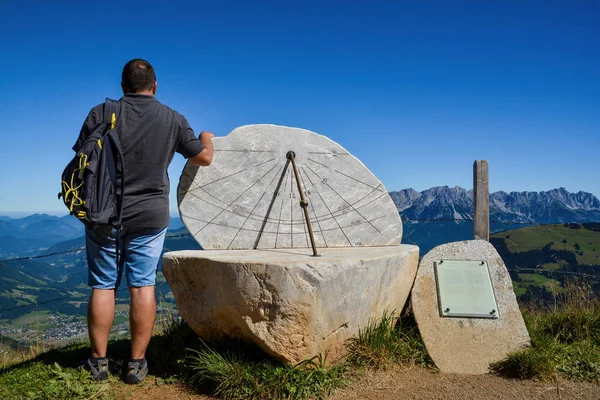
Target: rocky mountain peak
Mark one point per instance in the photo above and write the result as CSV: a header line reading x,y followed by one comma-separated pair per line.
x,y
448,203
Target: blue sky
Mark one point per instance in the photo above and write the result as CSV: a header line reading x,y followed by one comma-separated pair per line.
x,y
417,90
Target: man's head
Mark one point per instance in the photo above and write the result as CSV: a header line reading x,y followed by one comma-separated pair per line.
x,y
138,77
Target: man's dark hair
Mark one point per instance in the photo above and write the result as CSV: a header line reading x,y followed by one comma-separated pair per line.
x,y
138,75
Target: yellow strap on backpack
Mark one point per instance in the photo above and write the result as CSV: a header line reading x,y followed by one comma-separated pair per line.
x,y
113,119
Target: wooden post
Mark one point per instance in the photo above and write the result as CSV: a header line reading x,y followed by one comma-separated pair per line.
x,y
481,198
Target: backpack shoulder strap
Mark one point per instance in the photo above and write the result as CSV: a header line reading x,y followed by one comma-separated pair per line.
x,y
111,106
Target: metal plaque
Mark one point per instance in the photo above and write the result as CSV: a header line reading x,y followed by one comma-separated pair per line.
x,y
465,289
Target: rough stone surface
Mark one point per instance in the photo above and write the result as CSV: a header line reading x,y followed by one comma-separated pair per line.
x,y
468,345
248,197
292,305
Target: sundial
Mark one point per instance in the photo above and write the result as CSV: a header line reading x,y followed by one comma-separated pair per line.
x,y
250,196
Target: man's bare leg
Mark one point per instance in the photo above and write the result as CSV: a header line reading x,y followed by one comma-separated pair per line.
x,y
142,313
101,313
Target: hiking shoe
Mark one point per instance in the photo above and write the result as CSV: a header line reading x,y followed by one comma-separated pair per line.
x,y
97,367
136,371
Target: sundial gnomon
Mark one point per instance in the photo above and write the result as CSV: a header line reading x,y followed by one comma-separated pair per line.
x,y
248,198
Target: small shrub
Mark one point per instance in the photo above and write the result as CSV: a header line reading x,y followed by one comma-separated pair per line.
x,y
536,362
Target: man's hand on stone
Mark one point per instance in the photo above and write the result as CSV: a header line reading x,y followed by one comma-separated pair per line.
x,y
204,135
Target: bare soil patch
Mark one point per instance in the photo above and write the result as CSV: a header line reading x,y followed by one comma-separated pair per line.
x,y
419,383
401,383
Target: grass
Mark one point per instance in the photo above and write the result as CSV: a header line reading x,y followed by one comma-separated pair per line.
x,y
236,375
34,319
563,238
535,280
231,370
245,373
389,341
40,381
120,319
565,340
565,343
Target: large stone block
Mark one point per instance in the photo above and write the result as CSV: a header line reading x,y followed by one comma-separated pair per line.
x,y
468,345
292,305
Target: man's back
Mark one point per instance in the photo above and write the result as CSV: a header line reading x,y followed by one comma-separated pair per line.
x,y
150,134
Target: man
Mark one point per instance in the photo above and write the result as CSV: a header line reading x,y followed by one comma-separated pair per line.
x,y
150,134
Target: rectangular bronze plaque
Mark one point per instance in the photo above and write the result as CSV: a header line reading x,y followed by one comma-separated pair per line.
x,y
465,289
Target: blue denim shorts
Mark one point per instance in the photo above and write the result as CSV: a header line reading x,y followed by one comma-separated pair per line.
x,y
139,248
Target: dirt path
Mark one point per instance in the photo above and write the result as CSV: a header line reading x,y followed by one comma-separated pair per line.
x,y
403,384
419,383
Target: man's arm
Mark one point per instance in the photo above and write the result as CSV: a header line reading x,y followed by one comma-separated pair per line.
x,y
204,158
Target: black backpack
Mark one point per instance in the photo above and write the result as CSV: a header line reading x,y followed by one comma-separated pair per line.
x,y
92,186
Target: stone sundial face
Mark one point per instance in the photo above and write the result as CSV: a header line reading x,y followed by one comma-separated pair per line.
x,y
248,197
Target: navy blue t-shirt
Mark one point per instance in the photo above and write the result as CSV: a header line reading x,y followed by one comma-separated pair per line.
x,y
150,134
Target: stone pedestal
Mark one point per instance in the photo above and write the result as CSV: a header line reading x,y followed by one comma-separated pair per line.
x,y
292,305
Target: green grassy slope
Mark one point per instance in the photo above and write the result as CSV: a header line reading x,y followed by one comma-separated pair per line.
x,y
545,256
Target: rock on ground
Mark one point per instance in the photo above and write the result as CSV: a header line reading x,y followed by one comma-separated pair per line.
x,y
468,345
292,305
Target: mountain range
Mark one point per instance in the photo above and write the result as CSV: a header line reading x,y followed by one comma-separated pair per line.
x,y
456,203
36,232
39,232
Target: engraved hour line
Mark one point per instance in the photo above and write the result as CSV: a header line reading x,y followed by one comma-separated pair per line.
x,y
336,221
276,175
364,197
273,232
311,205
235,173
214,197
325,204
347,202
317,217
246,220
333,216
351,205
256,217
236,199
271,203
280,211
358,212
372,201
347,176
198,187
